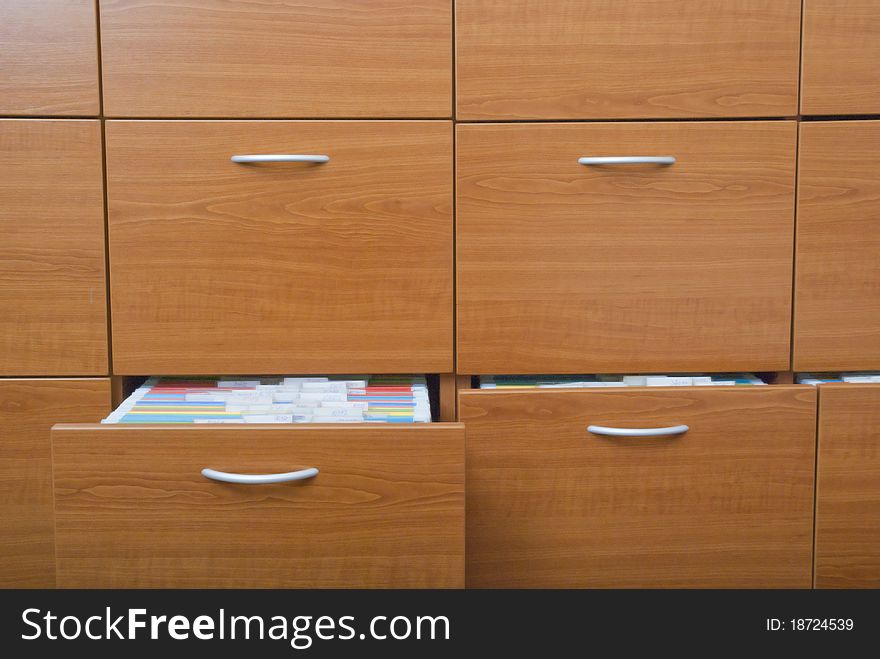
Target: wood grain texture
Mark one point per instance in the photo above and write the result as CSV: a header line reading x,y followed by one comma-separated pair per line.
x,y
837,287
577,59
117,390
448,397
462,382
780,377
28,409
848,487
386,509
564,268
53,294
840,52
729,504
251,58
49,57
219,267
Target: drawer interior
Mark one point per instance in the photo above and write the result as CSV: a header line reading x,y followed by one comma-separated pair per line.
x,y
328,503
509,382
261,399
267,505
839,377
617,380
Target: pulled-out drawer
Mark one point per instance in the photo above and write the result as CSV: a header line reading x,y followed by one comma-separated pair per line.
x,y
317,506
643,487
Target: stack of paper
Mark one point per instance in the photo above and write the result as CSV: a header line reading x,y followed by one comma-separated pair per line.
x,y
855,377
340,399
578,381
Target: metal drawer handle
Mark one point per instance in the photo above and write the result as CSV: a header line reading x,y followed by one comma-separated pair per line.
x,y
627,160
260,479
637,432
281,157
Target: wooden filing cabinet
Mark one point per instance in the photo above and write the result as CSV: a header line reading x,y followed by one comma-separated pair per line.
x,y
223,267
553,501
837,287
249,58
848,487
49,56
576,59
385,510
570,268
28,408
353,256
841,46
53,294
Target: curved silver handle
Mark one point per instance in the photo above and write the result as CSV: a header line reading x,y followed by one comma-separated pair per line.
x,y
637,432
260,479
627,160
280,157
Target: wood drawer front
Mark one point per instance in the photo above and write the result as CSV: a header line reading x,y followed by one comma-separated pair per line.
x,y
28,409
250,58
837,286
727,504
595,59
566,268
848,487
840,53
53,294
220,267
49,51
386,509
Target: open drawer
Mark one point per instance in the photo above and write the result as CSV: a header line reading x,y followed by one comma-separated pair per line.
x,y
640,487
385,508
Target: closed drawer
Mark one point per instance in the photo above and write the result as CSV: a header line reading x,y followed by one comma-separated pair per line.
x,y
28,408
840,52
728,503
49,51
53,294
249,58
848,487
571,268
571,59
222,267
385,510
837,286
